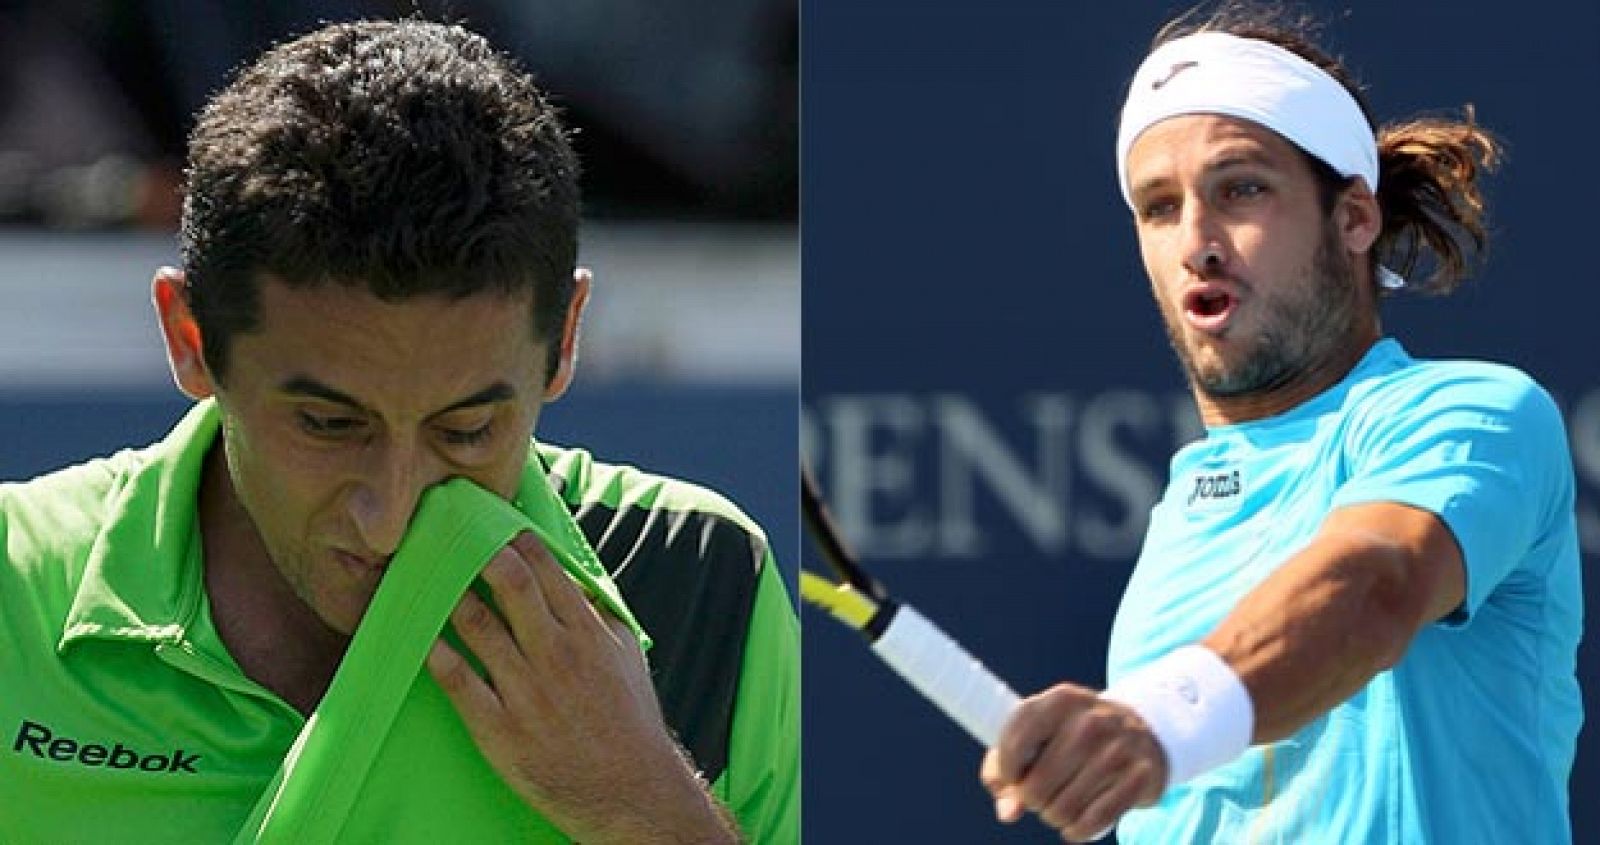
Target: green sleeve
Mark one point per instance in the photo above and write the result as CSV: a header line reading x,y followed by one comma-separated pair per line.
x,y
761,784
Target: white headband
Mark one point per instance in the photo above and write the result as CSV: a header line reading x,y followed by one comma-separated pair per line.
x,y
1217,73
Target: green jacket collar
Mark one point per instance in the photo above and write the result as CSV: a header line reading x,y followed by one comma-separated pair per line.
x,y
142,579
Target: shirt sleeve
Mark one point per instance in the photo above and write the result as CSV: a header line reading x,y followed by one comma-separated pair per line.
x,y
1485,450
762,782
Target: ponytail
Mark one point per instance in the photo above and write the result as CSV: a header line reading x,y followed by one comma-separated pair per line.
x,y
1431,200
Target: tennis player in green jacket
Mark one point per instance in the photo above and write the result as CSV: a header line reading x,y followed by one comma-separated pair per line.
x,y
379,293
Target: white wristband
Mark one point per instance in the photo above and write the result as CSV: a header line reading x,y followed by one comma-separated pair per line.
x,y
1196,706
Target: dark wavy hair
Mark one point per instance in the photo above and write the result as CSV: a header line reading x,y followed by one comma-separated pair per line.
x,y
1428,168
406,158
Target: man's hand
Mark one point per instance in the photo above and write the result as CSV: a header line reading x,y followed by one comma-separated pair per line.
x,y
1077,760
568,716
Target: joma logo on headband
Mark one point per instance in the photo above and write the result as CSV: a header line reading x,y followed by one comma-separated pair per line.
x,y
1177,68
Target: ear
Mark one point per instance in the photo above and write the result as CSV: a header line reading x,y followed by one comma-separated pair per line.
x,y
567,366
1358,217
181,333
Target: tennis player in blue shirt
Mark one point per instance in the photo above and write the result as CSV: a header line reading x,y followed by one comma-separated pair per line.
x,y
1356,613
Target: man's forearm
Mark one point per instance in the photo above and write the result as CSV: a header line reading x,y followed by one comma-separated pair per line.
x,y
1340,611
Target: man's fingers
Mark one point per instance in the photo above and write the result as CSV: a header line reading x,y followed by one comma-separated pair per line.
x,y
1058,763
564,599
1012,769
520,596
1103,813
1084,782
1007,807
1078,761
1101,763
989,772
473,698
1024,735
485,633
1038,728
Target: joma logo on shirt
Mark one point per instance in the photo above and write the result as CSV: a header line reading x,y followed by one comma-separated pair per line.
x,y
47,745
1223,485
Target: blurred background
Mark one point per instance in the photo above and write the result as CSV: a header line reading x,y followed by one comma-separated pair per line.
x,y
989,398
687,118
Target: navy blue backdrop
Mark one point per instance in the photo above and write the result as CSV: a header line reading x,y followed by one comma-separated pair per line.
x,y
989,397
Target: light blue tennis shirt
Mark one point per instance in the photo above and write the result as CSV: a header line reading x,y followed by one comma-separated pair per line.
x,y
1470,738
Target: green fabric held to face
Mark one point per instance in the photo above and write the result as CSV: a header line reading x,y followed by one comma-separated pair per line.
x,y
111,647
385,756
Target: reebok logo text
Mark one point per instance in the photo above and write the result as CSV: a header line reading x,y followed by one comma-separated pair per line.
x,y
45,744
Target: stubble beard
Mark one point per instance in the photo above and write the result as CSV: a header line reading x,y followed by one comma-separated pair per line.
x,y
1300,330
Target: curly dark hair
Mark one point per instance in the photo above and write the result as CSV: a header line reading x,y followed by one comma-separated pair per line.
x,y
407,158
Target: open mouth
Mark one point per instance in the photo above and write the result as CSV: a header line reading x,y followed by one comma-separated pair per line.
x,y
1208,308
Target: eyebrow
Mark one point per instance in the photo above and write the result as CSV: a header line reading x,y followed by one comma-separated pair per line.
x,y
1229,160
302,385
1244,158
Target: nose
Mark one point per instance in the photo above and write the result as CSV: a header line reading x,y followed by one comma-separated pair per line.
x,y
1204,248
383,497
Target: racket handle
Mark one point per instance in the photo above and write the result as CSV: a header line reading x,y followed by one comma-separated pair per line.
x,y
946,674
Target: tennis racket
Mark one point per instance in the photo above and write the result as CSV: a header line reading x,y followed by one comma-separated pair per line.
x,y
925,656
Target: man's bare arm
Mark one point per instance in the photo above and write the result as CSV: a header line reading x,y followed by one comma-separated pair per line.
x,y
1308,637
1339,612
